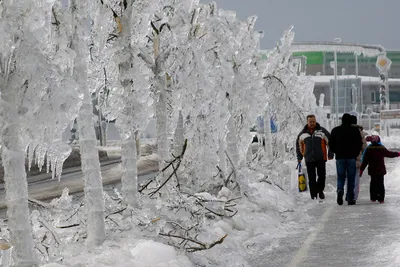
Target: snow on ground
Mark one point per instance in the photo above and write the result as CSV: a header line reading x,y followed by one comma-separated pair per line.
x,y
266,215
393,141
125,253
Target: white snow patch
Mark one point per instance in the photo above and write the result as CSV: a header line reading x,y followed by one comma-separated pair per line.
x,y
148,253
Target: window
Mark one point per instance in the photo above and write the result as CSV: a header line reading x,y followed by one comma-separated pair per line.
x,y
394,96
374,97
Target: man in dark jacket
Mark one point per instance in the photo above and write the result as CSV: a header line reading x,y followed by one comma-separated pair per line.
x,y
346,143
311,143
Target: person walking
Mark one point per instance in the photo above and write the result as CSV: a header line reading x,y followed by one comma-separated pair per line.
x,y
346,143
374,157
358,160
312,145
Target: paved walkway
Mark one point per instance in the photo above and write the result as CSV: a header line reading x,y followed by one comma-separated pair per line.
x,y
364,235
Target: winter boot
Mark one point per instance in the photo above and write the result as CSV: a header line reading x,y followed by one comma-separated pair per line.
x,y
340,197
351,202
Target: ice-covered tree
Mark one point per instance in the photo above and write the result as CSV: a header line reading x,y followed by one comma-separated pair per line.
x,y
32,87
200,98
129,95
248,95
166,49
290,97
94,201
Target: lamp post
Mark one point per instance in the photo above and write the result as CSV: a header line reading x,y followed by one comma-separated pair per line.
x,y
383,65
336,40
354,100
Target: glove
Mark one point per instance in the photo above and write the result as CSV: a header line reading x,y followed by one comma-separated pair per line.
x,y
361,172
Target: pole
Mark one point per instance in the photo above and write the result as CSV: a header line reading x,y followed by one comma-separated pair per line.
x,y
387,107
356,60
336,90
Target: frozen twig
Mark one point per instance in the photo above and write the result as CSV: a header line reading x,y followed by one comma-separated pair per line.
x,y
75,212
50,228
177,159
115,212
206,246
69,226
185,238
39,203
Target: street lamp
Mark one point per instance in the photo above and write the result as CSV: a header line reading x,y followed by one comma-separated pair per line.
x,y
336,40
354,100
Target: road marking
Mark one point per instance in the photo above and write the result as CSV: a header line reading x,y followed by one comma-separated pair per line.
x,y
303,250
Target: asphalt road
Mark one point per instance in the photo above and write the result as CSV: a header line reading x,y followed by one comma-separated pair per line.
x,y
42,187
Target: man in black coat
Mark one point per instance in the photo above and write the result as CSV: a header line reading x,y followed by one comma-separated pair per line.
x,y
346,143
311,143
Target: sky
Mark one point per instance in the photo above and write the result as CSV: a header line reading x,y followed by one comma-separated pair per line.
x,y
359,21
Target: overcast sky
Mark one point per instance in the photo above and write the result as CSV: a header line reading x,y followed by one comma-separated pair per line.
x,y
360,21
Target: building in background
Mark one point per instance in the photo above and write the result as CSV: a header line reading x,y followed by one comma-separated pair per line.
x,y
319,62
365,92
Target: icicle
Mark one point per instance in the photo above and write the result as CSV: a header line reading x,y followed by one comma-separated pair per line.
x,y
31,150
48,165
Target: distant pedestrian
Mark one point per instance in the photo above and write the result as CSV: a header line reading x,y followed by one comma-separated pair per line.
x,y
374,156
358,161
346,143
311,144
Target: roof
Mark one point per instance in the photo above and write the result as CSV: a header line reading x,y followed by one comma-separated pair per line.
x,y
325,79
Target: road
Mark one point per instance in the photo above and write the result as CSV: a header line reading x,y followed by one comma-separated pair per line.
x,y
42,187
364,235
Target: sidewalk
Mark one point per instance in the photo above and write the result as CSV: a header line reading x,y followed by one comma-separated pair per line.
x,y
363,235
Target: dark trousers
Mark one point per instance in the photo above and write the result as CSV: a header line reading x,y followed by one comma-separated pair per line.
x,y
346,168
315,168
377,188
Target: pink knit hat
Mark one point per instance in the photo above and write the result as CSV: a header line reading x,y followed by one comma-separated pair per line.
x,y
373,138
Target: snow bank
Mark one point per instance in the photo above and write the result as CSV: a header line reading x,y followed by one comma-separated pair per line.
x,y
392,178
148,253
124,253
393,141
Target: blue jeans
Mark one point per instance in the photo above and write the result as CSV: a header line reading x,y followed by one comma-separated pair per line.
x,y
346,168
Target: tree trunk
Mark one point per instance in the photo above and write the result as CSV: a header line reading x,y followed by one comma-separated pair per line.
x,y
268,136
16,187
162,132
129,178
232,148
222,156
160,104
232,144
179,138
94,200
